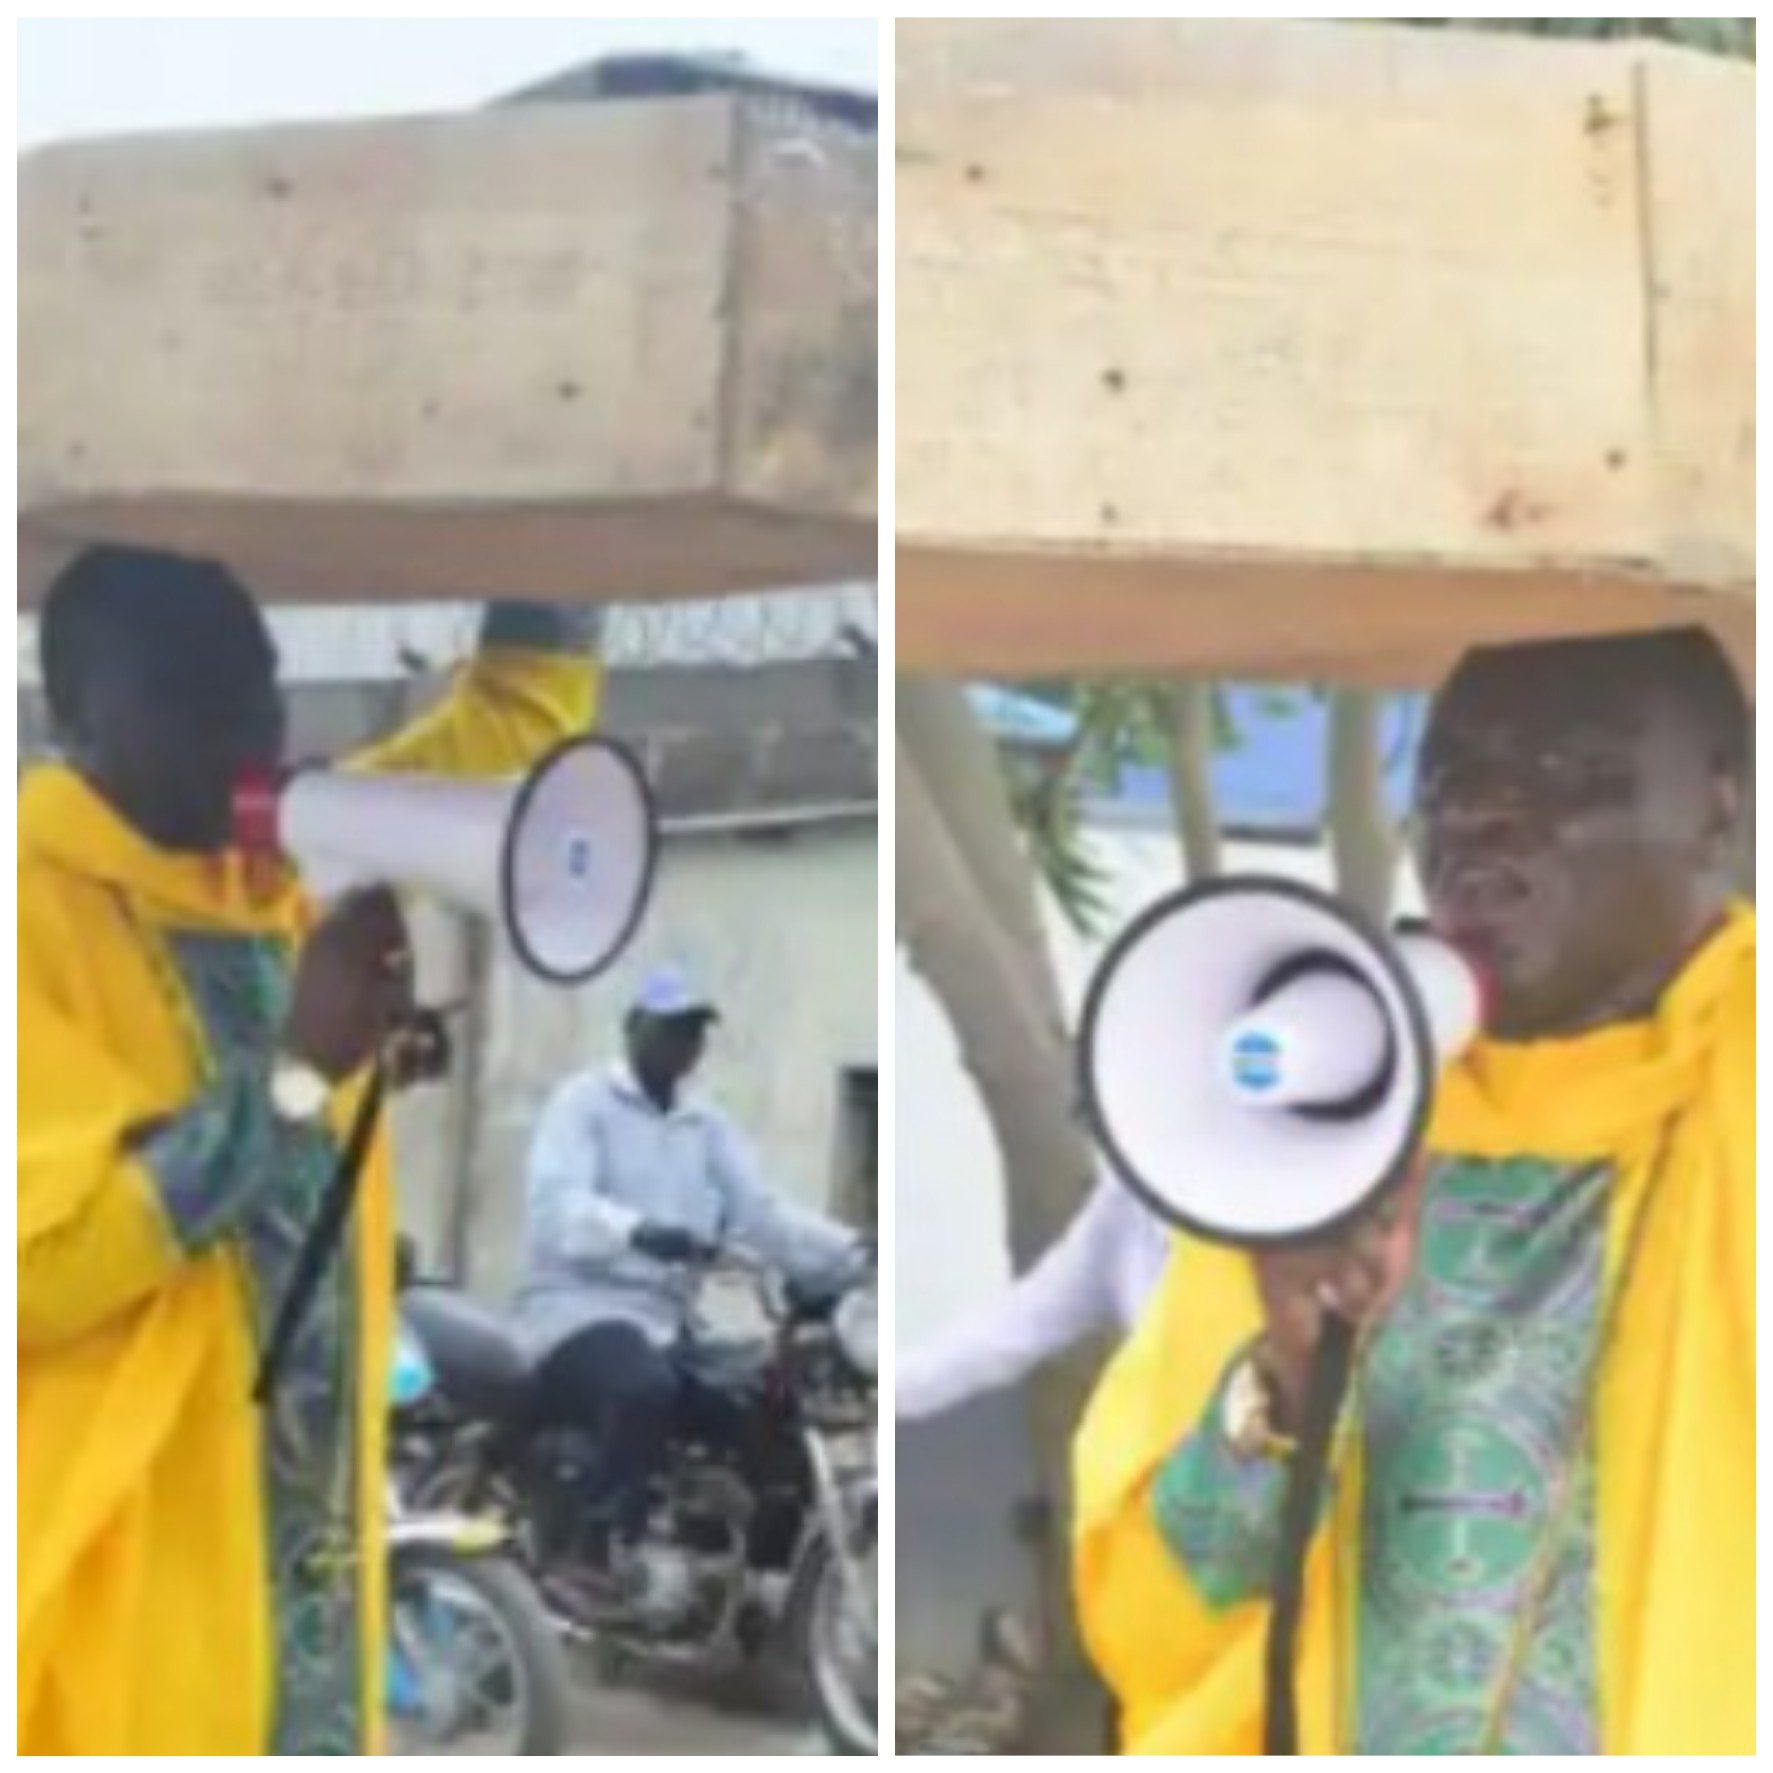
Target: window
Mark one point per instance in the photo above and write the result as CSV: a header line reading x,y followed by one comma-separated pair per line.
x,y
857,1190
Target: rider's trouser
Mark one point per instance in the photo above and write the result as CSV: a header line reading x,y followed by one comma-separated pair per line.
x,y
609,1380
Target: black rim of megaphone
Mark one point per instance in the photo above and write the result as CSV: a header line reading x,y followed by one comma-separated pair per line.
x,y
1182,899
508,857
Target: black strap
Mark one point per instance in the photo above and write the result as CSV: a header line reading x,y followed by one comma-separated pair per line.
x,y
1305,1484
323,1239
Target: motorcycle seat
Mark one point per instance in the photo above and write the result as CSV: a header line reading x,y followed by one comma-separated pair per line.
x,y
478,1361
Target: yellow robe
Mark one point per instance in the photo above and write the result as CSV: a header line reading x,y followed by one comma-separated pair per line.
x,y
1675,1411
145,1620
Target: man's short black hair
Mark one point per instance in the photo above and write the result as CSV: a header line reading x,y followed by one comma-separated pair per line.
x,y
1686,667
155,605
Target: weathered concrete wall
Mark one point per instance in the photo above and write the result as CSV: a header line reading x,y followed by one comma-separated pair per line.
x,y
781,929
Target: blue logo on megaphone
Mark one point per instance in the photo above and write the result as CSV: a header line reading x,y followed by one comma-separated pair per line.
x,y
1256,1062
578,857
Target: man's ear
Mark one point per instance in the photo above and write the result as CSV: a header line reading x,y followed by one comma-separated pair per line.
x,y
1726,800
69,731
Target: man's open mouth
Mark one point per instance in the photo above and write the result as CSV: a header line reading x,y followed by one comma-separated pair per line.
x,y
1472,896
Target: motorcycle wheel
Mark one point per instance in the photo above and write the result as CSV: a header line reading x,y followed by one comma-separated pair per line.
x,y
837,1649
516,1673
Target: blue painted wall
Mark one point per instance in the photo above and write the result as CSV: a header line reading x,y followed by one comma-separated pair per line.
x,y
1272,780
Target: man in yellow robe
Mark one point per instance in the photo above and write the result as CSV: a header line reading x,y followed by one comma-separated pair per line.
x,y
198,1576
1540,1532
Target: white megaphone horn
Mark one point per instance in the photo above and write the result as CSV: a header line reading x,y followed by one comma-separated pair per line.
x,y
1258,1062
562,859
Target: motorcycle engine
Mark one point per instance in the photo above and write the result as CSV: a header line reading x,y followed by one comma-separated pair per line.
x,y
687,1578
692,1561
666,1580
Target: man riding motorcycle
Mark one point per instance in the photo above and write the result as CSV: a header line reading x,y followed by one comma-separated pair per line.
x,y
631,1184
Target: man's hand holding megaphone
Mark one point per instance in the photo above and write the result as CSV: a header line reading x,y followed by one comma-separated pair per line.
x,y
354,997
420,1050
353,985
1357,1274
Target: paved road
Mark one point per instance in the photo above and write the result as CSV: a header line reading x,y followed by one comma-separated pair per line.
x,y
629,1721
958,1481
683,1717
630,1718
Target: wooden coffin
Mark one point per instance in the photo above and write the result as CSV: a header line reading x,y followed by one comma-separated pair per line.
x,y
1312,350
613,351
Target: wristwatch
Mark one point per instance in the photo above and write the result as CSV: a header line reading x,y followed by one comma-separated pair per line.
x,y
1247,1413
299,1093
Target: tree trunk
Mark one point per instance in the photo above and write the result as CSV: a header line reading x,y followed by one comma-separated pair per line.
x,y
1187,720
960,764
1365,842
970,923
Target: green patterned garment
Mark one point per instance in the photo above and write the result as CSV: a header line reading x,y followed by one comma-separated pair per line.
x,y
1471,1390
1468,1396
1219,1513
227,1166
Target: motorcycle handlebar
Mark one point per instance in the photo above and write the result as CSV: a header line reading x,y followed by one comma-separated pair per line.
x,y
774,1292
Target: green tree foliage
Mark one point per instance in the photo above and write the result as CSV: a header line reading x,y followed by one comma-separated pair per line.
x,y
1120,721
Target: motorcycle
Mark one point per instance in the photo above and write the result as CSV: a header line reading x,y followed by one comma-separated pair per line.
x,y
761,1532
474,1663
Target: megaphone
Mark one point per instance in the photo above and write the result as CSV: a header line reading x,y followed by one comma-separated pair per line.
x,y
562,859
1258,1063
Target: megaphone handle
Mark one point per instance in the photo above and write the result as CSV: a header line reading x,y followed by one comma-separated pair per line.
x,y
1306,1476
322,1242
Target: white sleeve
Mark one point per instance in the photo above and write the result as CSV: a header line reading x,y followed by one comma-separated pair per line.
x,y
1065,1296
570,1218
1137,1247
804,1246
